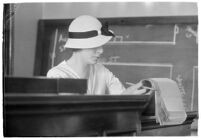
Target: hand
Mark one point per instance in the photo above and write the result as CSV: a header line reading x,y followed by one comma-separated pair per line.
x,y
135,89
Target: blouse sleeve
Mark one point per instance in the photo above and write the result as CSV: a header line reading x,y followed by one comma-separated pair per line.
x,y
113,83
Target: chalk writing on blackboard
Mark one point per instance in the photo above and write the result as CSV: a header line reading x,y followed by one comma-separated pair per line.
x,y
61,48
195,68
62,38
181,88
58,46
111,59
180,84
118,38
123,39
190,32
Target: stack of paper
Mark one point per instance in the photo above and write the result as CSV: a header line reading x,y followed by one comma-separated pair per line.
x,y
168,102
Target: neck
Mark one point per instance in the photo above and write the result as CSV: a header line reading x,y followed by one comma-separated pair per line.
x,y
79,66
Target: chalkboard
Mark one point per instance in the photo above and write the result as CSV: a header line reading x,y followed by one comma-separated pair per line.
x,y
146,47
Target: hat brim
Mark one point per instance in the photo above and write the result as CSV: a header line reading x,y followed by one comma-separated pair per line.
x,y
87,43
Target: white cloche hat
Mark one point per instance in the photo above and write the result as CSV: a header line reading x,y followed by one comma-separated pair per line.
x,y
87,32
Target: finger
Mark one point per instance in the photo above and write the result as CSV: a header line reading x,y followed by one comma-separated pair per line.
x,y
130,84
138,85
140,92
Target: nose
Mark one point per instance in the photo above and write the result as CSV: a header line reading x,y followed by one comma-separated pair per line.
x,y
99,50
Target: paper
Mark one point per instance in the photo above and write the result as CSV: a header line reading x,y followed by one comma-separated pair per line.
x,y
168,101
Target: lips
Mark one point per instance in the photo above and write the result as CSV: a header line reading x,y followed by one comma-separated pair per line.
x,y
97,57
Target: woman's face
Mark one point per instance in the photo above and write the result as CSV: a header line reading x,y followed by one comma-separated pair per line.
x,y
91,56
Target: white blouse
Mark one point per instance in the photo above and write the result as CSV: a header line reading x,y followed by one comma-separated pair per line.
x,y
101,81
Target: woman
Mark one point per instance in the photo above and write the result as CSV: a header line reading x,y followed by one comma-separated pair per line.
x,y
86,38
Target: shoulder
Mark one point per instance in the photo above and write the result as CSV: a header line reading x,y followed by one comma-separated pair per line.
x,y
53,72
58,71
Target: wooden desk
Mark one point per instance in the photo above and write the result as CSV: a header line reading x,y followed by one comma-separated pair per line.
x,y
32,111
81,115
72,115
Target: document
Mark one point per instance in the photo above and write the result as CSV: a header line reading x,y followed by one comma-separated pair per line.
x,y
169,106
